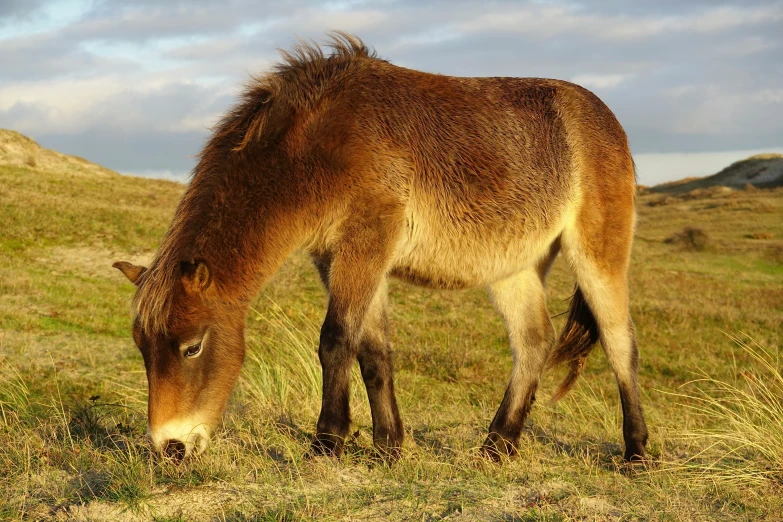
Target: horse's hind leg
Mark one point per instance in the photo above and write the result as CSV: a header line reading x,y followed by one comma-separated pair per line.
x,y
598,249
522,303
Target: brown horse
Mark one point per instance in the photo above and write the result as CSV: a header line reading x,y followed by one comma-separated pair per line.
x,y
378,171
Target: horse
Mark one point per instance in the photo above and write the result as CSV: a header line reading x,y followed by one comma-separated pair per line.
x,y
379,171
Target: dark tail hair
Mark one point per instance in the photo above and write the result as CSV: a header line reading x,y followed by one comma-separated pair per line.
x,y
575,344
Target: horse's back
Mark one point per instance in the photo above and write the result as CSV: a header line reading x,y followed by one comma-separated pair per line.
x,y
481,146
489,170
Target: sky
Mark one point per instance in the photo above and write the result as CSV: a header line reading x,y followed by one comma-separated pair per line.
x,y
136,86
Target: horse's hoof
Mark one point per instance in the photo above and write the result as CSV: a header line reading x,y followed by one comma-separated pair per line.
x,y
388,454
636,455
496,448
326,446
635,462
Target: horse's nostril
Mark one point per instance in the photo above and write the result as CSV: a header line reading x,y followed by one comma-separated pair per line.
x,y
175,450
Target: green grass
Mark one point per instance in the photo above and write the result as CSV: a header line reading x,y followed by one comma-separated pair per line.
x,y
65,340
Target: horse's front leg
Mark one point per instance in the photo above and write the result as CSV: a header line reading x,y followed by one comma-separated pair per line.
x,y
337,351
355,279
341,341
375,361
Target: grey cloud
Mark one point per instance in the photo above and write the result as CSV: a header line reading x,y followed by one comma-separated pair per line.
x,y
667,6
130,151
719,68
149,20
16,9
140,24
22,116
45,56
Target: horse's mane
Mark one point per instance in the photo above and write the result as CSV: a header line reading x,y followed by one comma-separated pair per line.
x,y
298,82
295,85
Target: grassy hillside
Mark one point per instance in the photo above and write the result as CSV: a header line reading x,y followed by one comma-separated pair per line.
x,y
761,171
73,390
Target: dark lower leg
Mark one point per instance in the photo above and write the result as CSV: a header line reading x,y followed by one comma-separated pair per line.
x,y
354,275
376,366
620,346
634,427
506,427
335,418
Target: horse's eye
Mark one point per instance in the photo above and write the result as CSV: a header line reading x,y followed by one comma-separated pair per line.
x,y
193,350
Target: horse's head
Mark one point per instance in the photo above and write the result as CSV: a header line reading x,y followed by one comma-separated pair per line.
x,y
192,354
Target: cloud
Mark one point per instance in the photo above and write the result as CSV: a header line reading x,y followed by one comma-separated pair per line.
x,y
769,95
317,21
78,105
47,56
558,19
102,77
142,23
15,9
601,81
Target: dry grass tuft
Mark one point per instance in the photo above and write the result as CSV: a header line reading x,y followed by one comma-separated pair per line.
x,y
745,445
284,373
690,238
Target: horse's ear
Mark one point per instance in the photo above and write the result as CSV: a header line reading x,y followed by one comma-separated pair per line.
x,y
196,275
131,271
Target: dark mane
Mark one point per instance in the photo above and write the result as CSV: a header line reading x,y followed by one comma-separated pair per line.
x,y
265,110
305,74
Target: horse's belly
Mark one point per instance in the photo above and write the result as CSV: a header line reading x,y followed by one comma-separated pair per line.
x,y
469,260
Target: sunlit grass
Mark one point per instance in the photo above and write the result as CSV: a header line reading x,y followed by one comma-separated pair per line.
x,y
282,372
73,387
744,443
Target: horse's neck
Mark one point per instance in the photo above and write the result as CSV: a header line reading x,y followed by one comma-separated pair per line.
x,y
242,240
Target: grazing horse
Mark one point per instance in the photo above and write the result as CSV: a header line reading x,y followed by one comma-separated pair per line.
x,y
379,171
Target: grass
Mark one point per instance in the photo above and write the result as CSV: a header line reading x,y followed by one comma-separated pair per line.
x,y
747,445
73,390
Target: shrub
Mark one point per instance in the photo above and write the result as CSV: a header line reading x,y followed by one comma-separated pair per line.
x,y
690,238
661,202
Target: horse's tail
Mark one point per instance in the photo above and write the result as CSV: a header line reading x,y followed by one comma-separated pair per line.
x,y
576,342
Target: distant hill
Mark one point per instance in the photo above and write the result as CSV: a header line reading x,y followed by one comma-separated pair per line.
x,y
17,150
761,170
57,210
